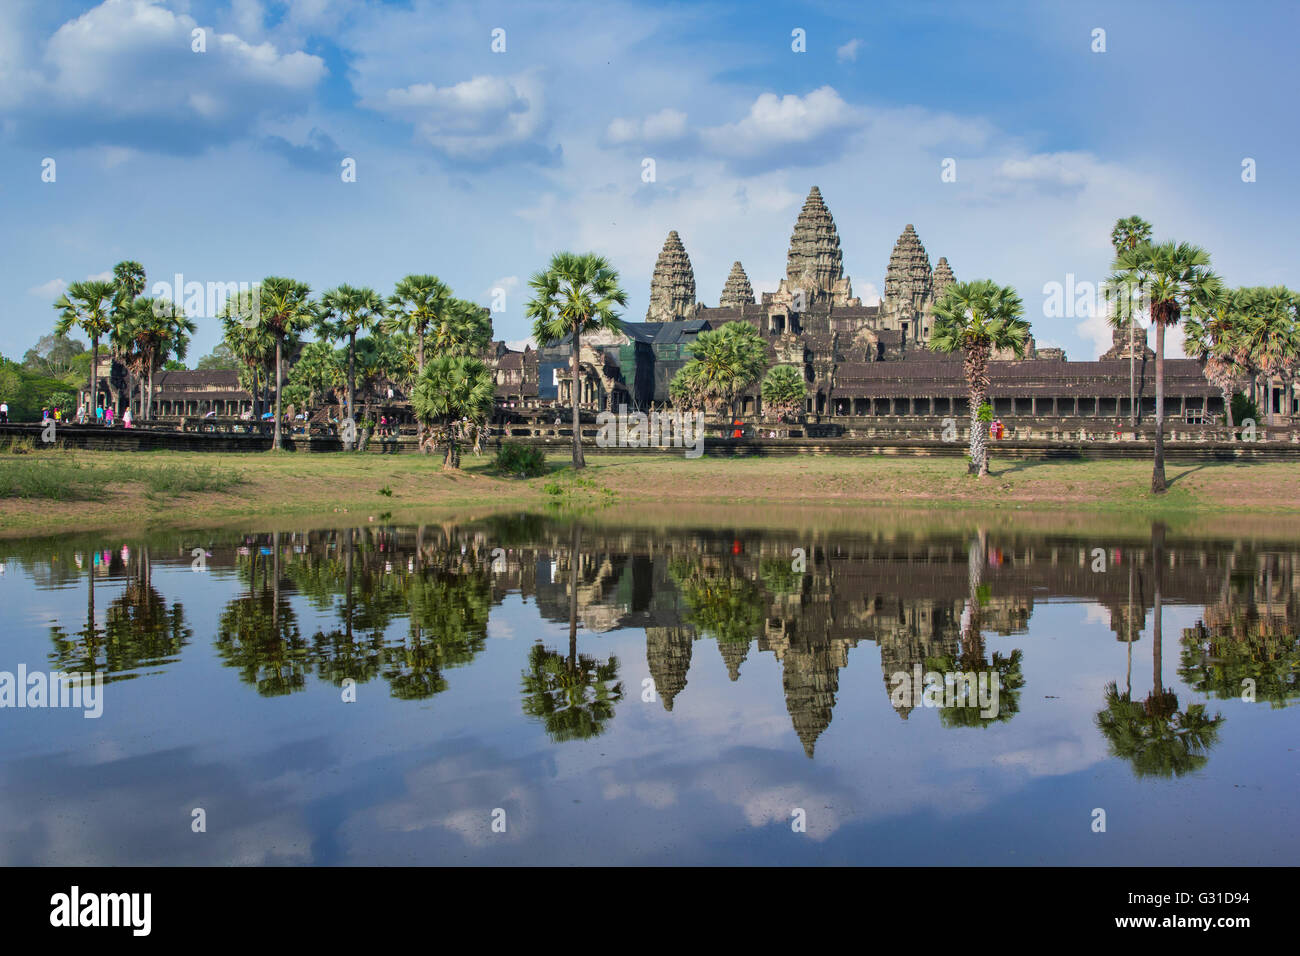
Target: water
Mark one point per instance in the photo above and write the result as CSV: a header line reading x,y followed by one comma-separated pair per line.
x,y
704,694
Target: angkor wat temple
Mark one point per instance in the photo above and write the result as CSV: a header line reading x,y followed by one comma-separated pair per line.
x,y
862,363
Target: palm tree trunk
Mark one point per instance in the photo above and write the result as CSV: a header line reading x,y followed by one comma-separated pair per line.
x,y
94,378
352,377
1158,485
352,371
275,444
979,464
578,460
1268,400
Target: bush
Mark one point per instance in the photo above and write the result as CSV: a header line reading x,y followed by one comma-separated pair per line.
x,y
1243,408
520,461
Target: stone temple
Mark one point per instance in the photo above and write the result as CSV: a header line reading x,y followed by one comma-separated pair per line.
x,y
864,365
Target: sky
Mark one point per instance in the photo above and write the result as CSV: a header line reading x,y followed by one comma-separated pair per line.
x,y
484,137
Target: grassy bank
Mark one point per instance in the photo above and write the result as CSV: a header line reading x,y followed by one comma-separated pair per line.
x,y
45,492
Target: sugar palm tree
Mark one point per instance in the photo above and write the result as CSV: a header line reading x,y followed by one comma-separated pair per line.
x,y
977,318
456,393
1175,277
415,304
251,344
461,327
1212,340
156,329
1129,233
727,361
85,305
1269,335
575,294
686,388
283,309
784,390
345,312
128,285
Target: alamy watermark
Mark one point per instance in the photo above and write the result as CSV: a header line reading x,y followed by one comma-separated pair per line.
x,y
58,689
950,689
673,429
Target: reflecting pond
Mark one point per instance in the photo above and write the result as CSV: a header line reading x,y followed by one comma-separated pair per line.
x,y
529,689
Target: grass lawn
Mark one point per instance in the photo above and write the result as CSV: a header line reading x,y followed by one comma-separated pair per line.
x,y
47,492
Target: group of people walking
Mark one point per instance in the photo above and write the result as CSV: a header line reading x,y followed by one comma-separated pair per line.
x,y
103,415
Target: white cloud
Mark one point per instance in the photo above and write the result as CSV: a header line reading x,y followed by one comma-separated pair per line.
x,y
48,290
124,73
471,119
774,122
667,125
1061,169
848,51
105,276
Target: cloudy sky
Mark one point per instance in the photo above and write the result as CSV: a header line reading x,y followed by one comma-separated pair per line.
x,y
477,164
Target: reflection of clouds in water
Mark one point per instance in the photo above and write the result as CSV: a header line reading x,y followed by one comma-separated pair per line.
x,y
137,811
765,788
1096,614
455,794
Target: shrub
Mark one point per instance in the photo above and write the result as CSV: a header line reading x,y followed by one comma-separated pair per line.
x,y
1243,408
520,461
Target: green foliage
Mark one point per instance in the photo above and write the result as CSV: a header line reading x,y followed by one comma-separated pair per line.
x,y
985,413
784,390
979,316
222,358
727,361
520,461
56,356
27,392
1243,408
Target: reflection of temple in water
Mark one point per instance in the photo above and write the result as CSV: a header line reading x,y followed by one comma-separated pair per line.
x,y
919,599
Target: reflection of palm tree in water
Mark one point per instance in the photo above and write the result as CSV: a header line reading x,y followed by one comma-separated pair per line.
x,y
970,658
573,697
1154,736
140,630
258,635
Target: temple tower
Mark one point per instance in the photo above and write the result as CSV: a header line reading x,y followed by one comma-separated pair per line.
x,y
814,264
909,285
939,282
672,287
737,292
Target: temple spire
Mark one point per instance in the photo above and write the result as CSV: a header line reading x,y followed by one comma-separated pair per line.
x,y
942,277
909,285
737,291
672,287
815,262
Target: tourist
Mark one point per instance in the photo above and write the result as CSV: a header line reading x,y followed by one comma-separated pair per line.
x,y
126,419
108,416
81,414
4,413
99,414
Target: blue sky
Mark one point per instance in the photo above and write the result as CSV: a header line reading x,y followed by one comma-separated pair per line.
x,y
225,166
